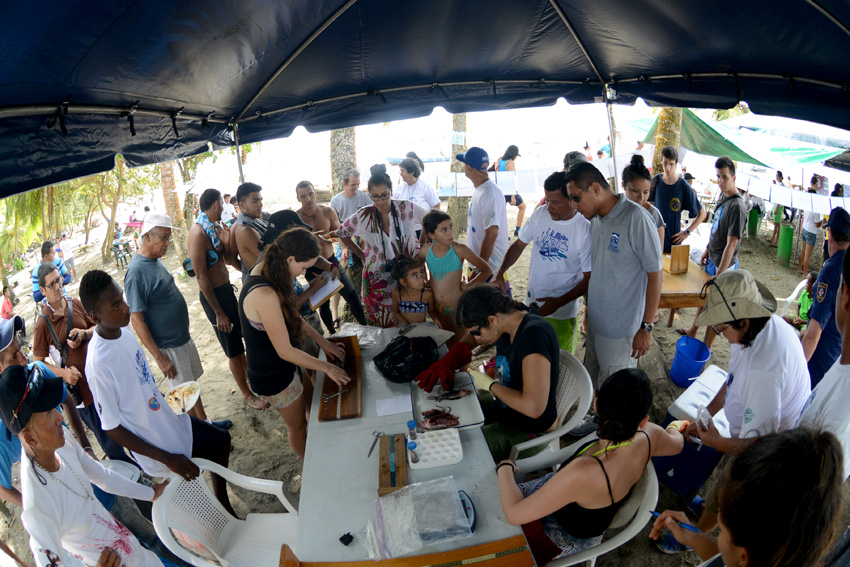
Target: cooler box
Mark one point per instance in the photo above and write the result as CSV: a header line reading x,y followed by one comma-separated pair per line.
x,y
686,472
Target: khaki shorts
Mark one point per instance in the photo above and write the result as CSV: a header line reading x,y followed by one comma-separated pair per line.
x,y
289,395
186,361
604,356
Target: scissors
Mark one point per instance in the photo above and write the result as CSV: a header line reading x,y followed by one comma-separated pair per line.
x,y
329,397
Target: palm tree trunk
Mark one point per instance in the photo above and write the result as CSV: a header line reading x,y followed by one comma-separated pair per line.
x,y
172,207
343,156
669,130
106,248
458,207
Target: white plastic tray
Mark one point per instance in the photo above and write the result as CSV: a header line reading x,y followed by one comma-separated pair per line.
x,y
437,449
467,409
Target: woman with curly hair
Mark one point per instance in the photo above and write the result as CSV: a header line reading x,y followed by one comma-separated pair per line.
x,y
387,230
273,331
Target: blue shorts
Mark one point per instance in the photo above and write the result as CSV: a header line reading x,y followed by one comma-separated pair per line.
x,y
808,237
515,196
711,269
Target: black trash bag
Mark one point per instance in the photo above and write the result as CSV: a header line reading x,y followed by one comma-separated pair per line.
x,y
405,357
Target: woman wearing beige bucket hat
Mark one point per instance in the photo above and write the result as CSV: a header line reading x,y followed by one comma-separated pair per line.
x,y
768,379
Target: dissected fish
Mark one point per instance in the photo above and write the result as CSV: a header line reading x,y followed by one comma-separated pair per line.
x,y
455,394
439,418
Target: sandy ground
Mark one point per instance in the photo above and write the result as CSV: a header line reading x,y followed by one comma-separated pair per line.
x,y
260,447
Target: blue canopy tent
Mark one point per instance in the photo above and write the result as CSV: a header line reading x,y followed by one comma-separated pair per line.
x,y
160,79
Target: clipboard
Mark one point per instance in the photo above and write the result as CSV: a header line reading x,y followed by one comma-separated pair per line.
x,y
325,292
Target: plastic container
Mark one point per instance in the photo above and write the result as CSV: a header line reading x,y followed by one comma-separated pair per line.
x,y
786,243
437,449
753,222
691,356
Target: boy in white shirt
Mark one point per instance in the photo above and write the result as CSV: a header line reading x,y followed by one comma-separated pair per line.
x,y
132,410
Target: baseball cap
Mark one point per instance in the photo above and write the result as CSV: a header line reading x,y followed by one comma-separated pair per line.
x,y
839,220
735,295
474,157
153,220
689,177
8,328
24,390
279,222
573,158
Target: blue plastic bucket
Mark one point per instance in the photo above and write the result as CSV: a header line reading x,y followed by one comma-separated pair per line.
x,y
691,356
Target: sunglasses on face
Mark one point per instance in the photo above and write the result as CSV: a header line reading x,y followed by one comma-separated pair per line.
x,y
476,332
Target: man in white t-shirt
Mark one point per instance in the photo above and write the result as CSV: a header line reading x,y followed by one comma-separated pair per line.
x,y
415,189
827,406
63,517
487,230
228,211
132,410
560,259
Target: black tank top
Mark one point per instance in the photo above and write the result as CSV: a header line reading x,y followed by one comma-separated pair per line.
x,y
586,523
268,374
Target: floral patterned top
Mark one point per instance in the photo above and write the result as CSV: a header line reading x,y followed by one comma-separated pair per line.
x,y
378,283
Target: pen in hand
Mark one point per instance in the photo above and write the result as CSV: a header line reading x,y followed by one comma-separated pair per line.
x,y
688,527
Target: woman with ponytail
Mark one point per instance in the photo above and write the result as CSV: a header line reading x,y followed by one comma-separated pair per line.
x,y
274,330
387,230
568,511
637,184
780,501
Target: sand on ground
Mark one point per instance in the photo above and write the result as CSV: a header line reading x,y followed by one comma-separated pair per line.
x,y
260,446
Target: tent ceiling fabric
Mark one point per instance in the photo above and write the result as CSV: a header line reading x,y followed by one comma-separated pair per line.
x,y
329,64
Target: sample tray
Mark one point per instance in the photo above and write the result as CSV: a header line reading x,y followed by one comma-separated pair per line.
x,y
437,449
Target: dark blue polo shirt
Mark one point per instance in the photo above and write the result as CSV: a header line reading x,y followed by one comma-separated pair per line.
x,y
823,311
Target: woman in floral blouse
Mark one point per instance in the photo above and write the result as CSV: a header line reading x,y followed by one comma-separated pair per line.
x,y
386,230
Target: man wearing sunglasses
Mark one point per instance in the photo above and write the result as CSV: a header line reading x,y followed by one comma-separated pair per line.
x,y
61,513
625,285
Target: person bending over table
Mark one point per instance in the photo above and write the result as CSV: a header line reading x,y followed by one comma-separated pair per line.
x,y
273,330
793,480
574,506
768,380
520,401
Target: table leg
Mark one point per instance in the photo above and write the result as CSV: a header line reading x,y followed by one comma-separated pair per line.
x,y
709,336
672,314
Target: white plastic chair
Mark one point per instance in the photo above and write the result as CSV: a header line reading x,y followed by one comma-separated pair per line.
x,y
188,511
574,384
795,295
629,520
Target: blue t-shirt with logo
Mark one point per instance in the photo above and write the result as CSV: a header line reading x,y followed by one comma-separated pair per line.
x,y
823,311
671,200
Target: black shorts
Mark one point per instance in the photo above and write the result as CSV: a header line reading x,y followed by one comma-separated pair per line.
x,y
516,196
313,272
208,440
231,343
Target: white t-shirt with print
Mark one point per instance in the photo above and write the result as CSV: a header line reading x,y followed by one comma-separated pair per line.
x,y
768,382
487,208
809,221
125,393
827,408
64,524
559,256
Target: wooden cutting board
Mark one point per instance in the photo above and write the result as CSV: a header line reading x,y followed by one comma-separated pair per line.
x,y
347,405
392,463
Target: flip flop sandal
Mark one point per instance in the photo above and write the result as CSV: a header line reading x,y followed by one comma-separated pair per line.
x,y
682,332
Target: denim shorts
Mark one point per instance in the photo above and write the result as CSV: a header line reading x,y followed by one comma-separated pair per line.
x,y
808,237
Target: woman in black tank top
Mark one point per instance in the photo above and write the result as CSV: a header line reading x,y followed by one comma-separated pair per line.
x,y
273,330
569,511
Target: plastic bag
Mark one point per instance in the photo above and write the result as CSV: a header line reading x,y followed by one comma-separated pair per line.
x,y
405,357
420,514
367,337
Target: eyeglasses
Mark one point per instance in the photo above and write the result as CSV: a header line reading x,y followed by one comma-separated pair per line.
x,y
167,239
34,384
717,330
381,197
58,283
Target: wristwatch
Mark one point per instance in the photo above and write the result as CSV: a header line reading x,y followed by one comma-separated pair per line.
x,y
647,327
688,231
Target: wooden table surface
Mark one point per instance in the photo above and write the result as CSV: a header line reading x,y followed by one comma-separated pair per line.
x,y
683,290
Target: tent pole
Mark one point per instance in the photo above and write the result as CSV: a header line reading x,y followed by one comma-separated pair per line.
x,y
612,144
238,152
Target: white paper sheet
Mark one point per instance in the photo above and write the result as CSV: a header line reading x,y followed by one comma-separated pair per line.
x,y
325,291
821,204
759,188
393,406
506,180
780,195
447,184
465,188
526,183
801,200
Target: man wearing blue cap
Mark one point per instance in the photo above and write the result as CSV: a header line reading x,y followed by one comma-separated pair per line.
x,y
822,341
487,230
61,513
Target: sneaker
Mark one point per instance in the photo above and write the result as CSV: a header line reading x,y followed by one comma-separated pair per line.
x,y
670,545
516,232
587,426
697,506
223,424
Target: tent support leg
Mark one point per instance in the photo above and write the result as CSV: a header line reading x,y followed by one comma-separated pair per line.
x,y
238,152
616,187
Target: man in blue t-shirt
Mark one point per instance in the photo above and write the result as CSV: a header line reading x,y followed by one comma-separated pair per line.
x,y
822,341
671,194
48,254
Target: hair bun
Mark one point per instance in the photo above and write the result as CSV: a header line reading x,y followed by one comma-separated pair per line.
x,y
378,169
637,160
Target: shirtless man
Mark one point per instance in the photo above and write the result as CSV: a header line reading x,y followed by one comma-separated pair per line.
x,y
251,223
324,219
210,249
